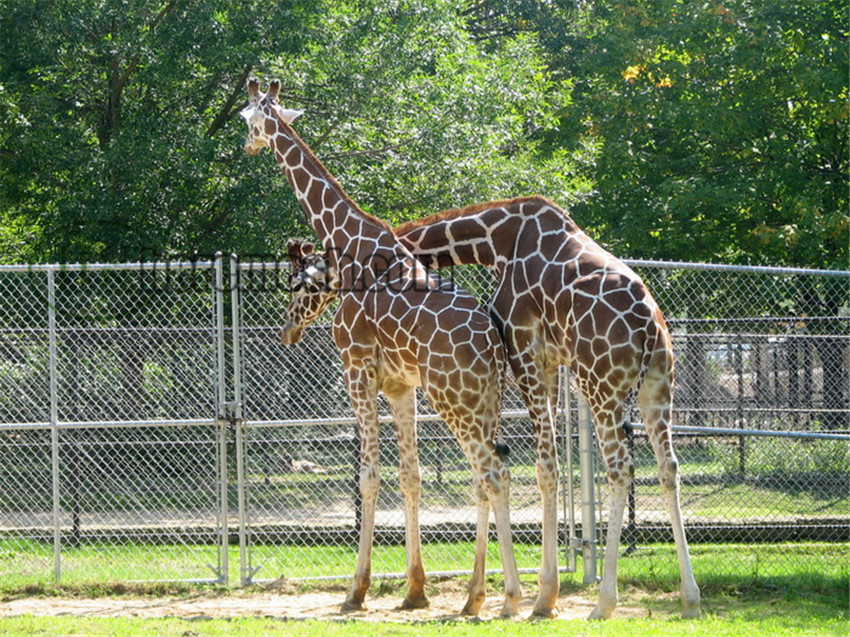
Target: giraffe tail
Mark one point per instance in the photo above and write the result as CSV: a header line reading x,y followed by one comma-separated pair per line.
x,y
658,344
502,448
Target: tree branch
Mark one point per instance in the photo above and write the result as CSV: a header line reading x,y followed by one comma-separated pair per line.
x,y
226,111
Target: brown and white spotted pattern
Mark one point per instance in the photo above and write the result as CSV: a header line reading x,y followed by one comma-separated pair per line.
x,y
397,329
563,300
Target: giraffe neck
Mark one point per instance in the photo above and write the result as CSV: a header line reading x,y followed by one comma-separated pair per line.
x,y
488,234
349,235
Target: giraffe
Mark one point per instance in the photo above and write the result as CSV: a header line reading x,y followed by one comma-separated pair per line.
x,y
561,299
396,328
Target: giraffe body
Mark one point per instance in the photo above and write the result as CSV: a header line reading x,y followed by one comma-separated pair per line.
x,y
562,299
396,329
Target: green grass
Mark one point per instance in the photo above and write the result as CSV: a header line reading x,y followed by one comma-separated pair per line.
x,y
806,604
749,620
26,562
753,590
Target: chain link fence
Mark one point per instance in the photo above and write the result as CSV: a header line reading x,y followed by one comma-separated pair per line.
x,y
109,444
153,427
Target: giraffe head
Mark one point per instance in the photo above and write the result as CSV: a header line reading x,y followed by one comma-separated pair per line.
x,y
262,115
313,284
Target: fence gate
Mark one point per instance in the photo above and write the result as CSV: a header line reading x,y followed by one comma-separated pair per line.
x,y
110,376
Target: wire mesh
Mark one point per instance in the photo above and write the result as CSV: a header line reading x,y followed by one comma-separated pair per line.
x,y
302,456
119,462
108,442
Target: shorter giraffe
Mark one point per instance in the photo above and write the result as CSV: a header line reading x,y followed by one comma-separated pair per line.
x,y
314,284
396,329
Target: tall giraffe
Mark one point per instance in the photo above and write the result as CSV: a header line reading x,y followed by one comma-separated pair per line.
x,y
397,329
564,300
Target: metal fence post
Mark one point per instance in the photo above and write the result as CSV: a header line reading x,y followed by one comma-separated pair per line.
x,y
236,417
54,423
221,422
588,498
564,395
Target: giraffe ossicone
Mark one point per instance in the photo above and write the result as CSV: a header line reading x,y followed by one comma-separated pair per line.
x,y
396,329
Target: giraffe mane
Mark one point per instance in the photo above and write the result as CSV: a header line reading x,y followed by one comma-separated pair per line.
x,y
326,174
454,213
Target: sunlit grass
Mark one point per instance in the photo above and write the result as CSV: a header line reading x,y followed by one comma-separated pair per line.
x,y
754,590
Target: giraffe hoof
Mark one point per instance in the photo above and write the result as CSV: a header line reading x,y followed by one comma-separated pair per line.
x,y
545,612
351,605
691,613
599,613
414,603
508,612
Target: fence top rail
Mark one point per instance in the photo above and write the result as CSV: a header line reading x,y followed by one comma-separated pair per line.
x,y
667,265
95,267
762,269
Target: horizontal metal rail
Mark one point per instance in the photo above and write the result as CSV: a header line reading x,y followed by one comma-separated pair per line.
x,y
726,431
107,424
350,420
91,267
676,265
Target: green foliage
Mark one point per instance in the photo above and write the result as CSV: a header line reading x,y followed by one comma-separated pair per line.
x,y
722,126
120,137
706,131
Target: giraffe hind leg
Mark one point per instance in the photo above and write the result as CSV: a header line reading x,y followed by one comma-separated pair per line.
x,y
618,461
539,391
654,400
477,584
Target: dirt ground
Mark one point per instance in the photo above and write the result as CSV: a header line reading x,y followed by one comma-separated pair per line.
x,y
447,599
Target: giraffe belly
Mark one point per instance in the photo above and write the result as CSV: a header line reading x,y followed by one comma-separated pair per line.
x,y
395,367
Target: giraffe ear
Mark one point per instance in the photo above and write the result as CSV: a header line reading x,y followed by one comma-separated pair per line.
x,y
274,89
253,90
293,249
307,248
288,115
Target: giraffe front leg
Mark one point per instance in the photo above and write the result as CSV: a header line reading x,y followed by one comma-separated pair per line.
x,y
364,401
402,401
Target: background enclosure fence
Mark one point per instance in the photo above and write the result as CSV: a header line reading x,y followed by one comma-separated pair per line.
x,y
149,409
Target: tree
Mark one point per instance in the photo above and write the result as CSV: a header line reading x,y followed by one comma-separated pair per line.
x,y
115,144
722,127
121,139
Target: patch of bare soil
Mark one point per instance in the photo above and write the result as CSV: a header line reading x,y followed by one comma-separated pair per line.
x,y
447,599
